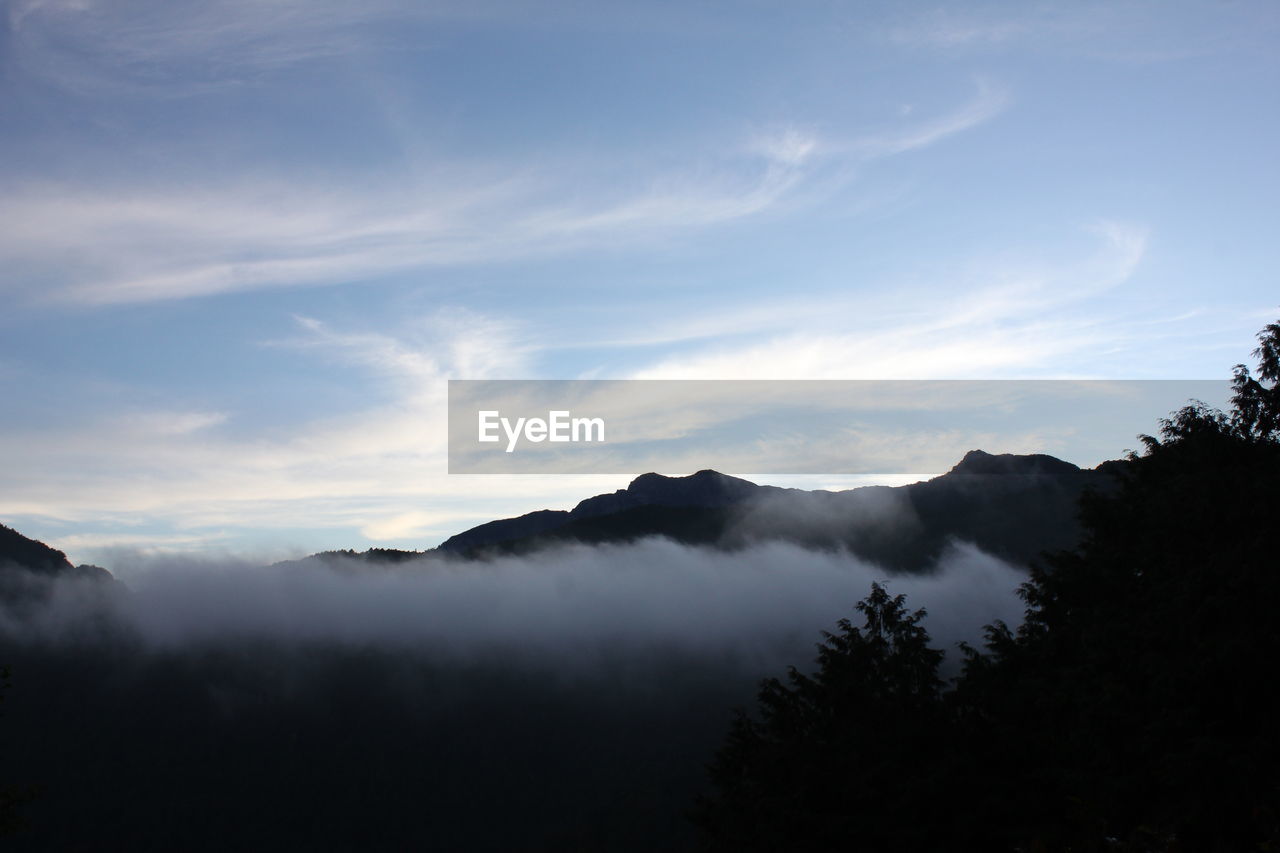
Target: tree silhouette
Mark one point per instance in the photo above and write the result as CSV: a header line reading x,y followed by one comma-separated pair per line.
x,y
1133,710
1137,681
1256,406
835,755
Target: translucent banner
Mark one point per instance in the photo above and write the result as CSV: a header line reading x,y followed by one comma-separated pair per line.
x,y
798,427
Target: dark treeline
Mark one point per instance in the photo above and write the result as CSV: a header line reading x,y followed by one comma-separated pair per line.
x,y
1134,710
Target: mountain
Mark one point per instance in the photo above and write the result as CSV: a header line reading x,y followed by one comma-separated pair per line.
x,y
1013,506
20,552
703,490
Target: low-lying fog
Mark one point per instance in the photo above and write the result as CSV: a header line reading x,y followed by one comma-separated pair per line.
x,y
565,699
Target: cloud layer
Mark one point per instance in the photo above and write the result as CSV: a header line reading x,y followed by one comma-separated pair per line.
x,y
579,607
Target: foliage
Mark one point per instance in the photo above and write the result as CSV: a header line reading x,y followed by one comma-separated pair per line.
x,y
833,752
1134,710
1257,406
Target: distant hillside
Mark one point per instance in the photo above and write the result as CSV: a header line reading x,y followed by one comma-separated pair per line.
x,y
1012,506
703,490
20,552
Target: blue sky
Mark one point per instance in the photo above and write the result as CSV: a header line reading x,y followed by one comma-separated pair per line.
x,y
244,244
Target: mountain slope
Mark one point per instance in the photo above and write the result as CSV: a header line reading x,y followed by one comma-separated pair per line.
x,y
705,489
18,552
1012,506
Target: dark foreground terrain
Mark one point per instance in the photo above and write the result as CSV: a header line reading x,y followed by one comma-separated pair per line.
x,y
314,748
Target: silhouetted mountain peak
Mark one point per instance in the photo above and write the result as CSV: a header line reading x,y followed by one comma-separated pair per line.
x,y
1013,516
981,462
505,529
21,556
703,490
31,554
693,490
706,488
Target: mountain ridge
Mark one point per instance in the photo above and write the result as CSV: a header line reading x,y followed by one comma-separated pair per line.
x,y
705,488
34,556
1015,506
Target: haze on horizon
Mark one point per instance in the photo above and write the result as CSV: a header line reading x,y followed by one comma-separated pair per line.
x,y
243,246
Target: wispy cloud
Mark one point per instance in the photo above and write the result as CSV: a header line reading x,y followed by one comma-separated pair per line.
x,y
448,342
988,102
1001,319
134,245
181,48
788,146
950,28
1125,32
184,464
122,243
150,542
377,471
162,423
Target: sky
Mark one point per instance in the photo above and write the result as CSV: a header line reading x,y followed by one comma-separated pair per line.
x,y
244,244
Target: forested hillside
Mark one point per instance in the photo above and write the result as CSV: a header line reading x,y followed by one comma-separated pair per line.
x,y
1134,709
